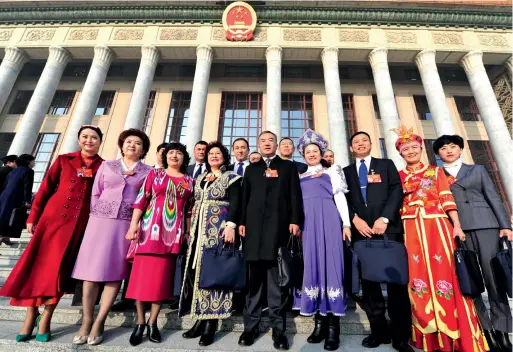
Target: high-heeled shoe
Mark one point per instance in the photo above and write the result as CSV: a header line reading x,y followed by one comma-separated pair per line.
x,y
195,331
207,337
26,337
42,337
154,333
137,335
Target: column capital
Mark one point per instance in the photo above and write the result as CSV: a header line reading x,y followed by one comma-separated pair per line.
x,y
509,64
378,57
426,60
274,52
15,57
473,62
150,55
329,55
58,56
204,53
103,56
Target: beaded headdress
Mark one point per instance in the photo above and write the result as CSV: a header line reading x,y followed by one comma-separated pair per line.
x,y
312,137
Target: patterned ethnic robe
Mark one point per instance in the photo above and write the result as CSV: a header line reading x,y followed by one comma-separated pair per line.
x,y
209,215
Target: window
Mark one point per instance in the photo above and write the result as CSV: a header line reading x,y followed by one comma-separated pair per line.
x,y
349,119
43,152
412,74
5,143
241,116
452,74
296,72
383,148
105,103
467,108
178,116
61,102
21,102
432,157
422,107
376,106
245,71
296,117
482,154
148,114
76,70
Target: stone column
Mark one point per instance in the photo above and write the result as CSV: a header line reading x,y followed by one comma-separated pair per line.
x,y
500,139
434,91
150,57
509,66
205,55
11,66
273,98
337,126
31,123
386,101
88,100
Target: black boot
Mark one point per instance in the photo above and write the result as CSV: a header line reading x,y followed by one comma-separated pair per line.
x,y
154,333
319,332
137,334
195,331
492,342
207,337
333,339
502,339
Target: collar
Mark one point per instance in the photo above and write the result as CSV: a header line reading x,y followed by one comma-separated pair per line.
x,y
315,169
126,168
270,157
198,164
418,168
157,166
245,162
455,163
367,159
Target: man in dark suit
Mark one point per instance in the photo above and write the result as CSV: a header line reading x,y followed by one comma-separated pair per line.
x,y
484,220
271,210
9,165
286,150
240,149
374,209
196,169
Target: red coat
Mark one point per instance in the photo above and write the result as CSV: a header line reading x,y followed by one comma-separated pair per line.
x,y
60,212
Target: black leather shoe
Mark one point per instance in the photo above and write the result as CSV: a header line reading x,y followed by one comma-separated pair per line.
x,y
195,331
154,333
402,346
280,341
502,339
492,342
333,339
207,337
137,335
121,306
319,332
247,338
373,341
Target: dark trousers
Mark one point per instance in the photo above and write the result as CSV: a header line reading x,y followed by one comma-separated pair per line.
x,y
399,310
260,273
486,244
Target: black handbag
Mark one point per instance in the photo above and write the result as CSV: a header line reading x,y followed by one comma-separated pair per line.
x,y
468,270
382,260
223,268
291,265
351,269
501,265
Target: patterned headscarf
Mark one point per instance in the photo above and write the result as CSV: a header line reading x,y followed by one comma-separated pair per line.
x,y
312,137
406,136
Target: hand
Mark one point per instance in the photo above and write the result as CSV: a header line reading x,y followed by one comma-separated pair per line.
x,y
132,234
294,229
242,231
379,227
458,232
228,235
30,228
506,233
346,233
362,227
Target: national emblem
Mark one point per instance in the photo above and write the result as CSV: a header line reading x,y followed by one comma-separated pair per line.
x,y
239,21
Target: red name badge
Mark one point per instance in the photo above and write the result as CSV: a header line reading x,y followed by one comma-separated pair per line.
x,y
84,172
373,178
271,173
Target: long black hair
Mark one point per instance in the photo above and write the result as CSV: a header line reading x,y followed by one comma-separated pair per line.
x,y
224,151
181,148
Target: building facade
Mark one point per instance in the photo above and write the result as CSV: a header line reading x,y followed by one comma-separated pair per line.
x,y
439,66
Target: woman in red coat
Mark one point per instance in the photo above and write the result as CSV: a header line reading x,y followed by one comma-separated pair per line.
x,y
57,221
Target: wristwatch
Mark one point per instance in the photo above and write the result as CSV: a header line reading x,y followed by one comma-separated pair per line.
x,y
385,220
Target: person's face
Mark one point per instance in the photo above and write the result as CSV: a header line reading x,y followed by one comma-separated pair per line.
x,y
255,158
159,156
133,147
411,153
267,144
312,155
450,152
89,141
286,148
215,158
199,152
361,146
174,159
240,150
32,164
329,157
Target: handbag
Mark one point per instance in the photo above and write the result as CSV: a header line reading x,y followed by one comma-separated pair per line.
x,y
382,260
291,265
468,270
222,268
351,269
501,265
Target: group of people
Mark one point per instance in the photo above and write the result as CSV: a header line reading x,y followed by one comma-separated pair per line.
x,y
104,222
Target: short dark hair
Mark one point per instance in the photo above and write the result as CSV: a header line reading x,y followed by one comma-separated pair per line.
x,y
447,139
286,138
162,145
241,139
329,150
268,132
360,132
181,148
9,159
91,127
224,151
24,159
255,152
136,133
201,143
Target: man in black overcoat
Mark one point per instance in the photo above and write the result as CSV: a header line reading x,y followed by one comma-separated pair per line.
x,y
9,165
374,205
272,210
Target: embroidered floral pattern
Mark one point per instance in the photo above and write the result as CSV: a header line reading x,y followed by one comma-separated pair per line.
x,y
105,208
438,258
419,287
415,258
426,183
444,289
311,292
125,211
334,293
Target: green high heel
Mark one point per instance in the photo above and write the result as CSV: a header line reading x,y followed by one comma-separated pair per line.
x,y
26,337
41,337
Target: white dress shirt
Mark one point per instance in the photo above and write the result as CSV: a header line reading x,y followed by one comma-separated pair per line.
x,y
197,166
453,168
367,160
126,168
236,166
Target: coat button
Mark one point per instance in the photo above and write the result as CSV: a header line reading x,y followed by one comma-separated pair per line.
x,y
76,217
71,189
82,191
77,208
66,206
69,198
72,181
467,201
79,199
63,215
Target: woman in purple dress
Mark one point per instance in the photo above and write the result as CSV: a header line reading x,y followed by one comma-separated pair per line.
x,y
325,228
102,255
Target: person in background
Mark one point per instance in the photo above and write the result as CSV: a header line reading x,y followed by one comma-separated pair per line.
x,y
9,164
15,199
254,157
484,220
57,221
198,167
160,149
158,231
102,260
240,149
329,156
286,149
443,319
